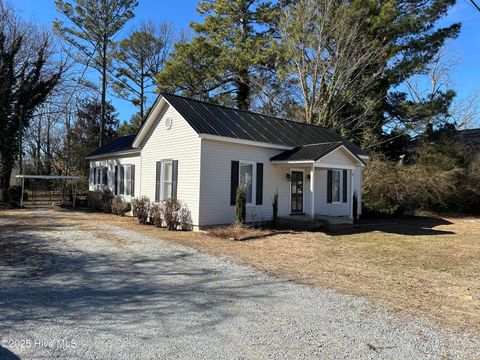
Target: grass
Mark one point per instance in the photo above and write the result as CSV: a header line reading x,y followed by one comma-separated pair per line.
x,y
427,267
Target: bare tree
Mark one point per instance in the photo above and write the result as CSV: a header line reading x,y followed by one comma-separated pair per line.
x,y
331,62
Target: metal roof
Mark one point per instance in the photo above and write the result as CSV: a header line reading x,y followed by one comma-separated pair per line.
x,y
211,119
312,152
206,118
123,143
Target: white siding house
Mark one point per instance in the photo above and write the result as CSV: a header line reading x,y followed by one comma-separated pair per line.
x,y
200,153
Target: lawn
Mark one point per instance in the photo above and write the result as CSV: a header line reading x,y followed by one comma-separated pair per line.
x,y
427,267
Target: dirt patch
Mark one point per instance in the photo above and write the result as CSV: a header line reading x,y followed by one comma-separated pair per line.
x,y
243,232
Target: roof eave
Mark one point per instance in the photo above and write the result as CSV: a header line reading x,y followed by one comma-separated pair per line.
x,y
113,154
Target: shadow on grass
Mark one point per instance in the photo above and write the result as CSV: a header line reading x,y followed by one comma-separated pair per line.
x,y
401,225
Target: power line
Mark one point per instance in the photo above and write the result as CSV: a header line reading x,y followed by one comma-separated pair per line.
x,y
475,4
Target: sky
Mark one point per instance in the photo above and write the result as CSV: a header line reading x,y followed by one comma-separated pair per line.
x,y
465,49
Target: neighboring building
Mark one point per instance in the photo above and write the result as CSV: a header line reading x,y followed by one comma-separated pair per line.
x,y
200,153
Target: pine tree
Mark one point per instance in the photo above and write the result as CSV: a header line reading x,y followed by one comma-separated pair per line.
x,y
92,26
232,46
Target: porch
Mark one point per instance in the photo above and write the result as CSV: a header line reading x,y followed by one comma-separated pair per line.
x,y
322,184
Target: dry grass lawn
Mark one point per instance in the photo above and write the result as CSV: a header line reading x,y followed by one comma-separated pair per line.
x,y
425,267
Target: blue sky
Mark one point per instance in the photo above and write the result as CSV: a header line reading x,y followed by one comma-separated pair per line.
x,y
465,49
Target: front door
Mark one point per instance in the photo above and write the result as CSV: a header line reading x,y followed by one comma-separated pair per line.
x,y
296,183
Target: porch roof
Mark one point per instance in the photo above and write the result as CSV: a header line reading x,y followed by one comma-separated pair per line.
x,y
311,152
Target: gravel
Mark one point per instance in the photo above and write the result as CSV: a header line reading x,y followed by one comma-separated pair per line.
x,y
134,297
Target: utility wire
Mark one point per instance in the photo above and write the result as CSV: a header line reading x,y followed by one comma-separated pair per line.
x,y
475,5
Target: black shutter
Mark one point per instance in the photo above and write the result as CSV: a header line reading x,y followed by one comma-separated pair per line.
x,y
115,185
345,186
132,174
174,178
234,182
122,180
105,176
259,190
157,181
329,186
94,176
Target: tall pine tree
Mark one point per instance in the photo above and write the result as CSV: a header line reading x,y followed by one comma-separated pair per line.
x,y
232,46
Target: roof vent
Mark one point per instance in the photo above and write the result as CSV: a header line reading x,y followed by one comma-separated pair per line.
x,y
168,123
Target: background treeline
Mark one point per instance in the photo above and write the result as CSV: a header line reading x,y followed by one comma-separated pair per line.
x,y
375,71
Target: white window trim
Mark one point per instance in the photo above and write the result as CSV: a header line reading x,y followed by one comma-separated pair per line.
x,y
98,171
162,173
125,181
290,189
340,190
254,179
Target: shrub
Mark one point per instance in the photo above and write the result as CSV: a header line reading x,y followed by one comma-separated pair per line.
x,y
141,206
119,206
106,200
355,206
171,213
185,218
275,208
157,214
241,205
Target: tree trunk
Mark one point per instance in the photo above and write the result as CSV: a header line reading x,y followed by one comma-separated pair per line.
x,y
243,89
104,92
6,166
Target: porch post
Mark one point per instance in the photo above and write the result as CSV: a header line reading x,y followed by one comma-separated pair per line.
x,y
312,191
351,193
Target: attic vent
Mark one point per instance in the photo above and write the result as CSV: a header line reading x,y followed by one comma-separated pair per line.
x,y
168,123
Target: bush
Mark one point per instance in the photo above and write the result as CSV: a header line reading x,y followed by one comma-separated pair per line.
x,y
106,200
185,218
241,205
141,208
355,206
171,213
275,208
119,206
157,214
393,188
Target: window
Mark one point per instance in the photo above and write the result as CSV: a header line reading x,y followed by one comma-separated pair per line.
x,y
167,180
246,174
100,175
336,185
125,180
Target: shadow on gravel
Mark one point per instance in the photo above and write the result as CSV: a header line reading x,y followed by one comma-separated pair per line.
x,y
6,354
40,280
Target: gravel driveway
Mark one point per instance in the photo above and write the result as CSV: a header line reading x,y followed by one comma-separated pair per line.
x,y
73,292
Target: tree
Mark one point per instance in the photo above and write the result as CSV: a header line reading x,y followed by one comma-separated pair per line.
x,y
409,30
130,127
139,58
25,81
93,24
232,46
87,126
329,58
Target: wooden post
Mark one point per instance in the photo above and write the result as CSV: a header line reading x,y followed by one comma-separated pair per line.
x,y
23,190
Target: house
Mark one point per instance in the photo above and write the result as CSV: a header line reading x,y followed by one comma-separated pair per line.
x,y
200,153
